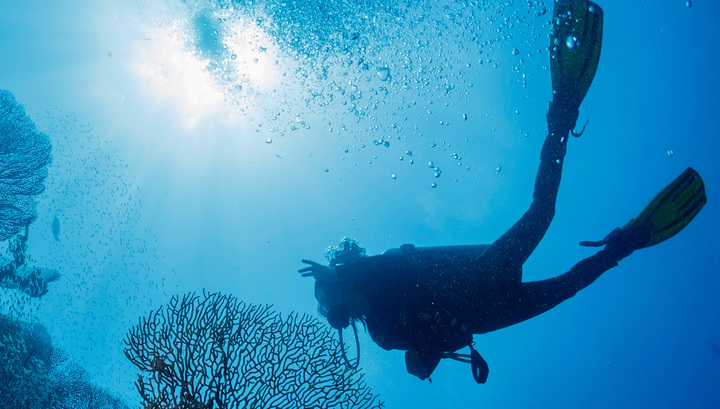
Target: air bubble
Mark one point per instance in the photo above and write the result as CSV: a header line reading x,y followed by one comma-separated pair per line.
x,y
383,73
571,42
268,140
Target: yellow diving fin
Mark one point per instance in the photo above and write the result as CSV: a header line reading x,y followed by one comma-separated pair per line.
x,y
575,44
668,213
673,208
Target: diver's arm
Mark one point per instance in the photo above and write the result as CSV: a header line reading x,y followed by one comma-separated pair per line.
x,y
319,272
364,272
379,278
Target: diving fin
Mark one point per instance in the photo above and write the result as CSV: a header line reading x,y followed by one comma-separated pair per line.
x,y
668,213
575,44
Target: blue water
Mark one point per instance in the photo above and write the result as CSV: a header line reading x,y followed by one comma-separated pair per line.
x,y
198,147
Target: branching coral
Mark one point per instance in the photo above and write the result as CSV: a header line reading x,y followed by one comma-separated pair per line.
x,y
24,158
217,352
73,389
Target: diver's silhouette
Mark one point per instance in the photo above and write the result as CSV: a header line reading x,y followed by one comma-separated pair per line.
x,y
55,226
430,301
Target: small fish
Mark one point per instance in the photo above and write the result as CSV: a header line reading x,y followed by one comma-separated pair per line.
x,y
56,228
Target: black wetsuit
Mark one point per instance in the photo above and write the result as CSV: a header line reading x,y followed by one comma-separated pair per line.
x,y
434,302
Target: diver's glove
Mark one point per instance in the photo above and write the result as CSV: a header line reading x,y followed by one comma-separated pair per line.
x,y
319,272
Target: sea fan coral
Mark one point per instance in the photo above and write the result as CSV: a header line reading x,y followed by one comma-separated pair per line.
x,y
217,352
24,158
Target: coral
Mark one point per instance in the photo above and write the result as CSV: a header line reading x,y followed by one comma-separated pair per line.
x,y
25,369
217,352
73,389
16,275
24,158
35,375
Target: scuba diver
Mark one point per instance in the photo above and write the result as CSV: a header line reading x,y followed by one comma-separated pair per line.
x,y
430,301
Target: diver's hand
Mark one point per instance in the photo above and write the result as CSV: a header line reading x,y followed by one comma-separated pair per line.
x,y
319,271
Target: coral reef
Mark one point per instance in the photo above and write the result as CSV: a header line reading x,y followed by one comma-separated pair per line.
x,y
24,158
35,375
213,351
25,369
15,274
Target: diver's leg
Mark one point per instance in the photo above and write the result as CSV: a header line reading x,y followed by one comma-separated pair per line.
x,y
530,299
505,257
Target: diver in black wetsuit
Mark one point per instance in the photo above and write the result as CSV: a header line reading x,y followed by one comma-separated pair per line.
x,y
430,301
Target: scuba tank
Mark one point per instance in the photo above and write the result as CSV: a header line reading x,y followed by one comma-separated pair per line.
x,y
460,254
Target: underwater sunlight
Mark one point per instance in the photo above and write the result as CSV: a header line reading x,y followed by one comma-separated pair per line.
x,y
177,67
176,175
